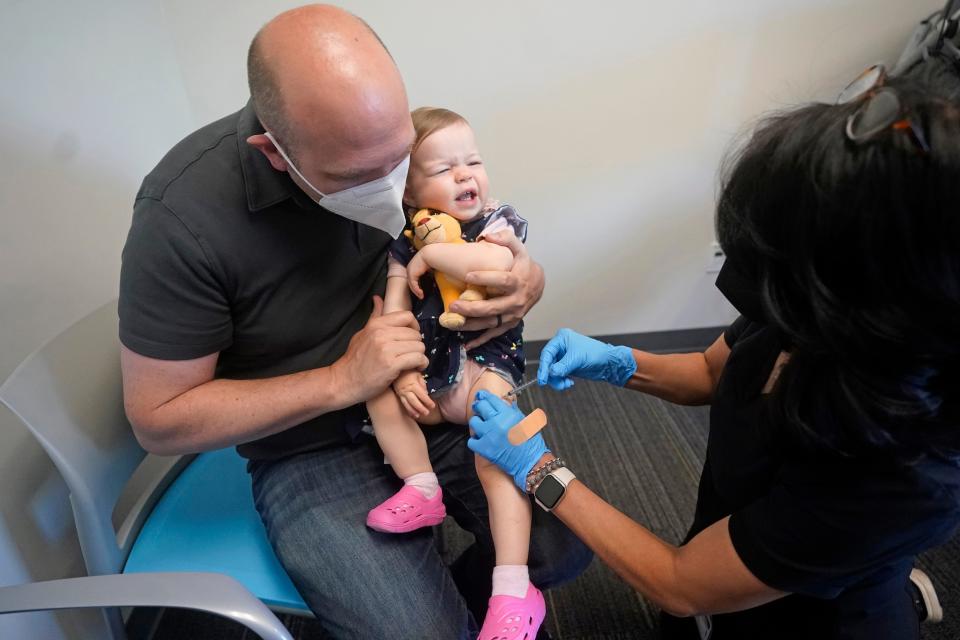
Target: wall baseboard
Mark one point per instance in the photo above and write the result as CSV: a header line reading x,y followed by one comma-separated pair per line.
x,y
674,341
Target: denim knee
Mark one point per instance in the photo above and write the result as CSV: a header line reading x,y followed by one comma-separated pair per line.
x,y
556,555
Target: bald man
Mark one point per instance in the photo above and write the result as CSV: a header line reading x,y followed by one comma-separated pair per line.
x,y
249,317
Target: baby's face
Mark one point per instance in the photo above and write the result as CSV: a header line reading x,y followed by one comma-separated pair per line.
x,y
447,174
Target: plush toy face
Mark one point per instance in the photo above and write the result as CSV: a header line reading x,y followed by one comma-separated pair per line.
x,y
434,226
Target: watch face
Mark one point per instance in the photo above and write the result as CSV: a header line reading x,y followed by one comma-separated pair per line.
x,y
549,492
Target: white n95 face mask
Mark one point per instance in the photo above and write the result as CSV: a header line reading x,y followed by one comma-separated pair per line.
x,y
377,204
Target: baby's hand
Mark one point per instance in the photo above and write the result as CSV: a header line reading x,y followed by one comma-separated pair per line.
x,y
412,392
416,268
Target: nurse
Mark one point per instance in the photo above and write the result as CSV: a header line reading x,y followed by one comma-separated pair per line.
x,y
832,459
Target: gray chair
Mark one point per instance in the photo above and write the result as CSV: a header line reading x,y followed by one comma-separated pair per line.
x,y
211,592
69,395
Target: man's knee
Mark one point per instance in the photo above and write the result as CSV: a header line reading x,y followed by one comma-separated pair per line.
x,y
389,614
429,622
370,590
556,555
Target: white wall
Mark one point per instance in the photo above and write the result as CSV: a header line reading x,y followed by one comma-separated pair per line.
x,y
90,98
603,122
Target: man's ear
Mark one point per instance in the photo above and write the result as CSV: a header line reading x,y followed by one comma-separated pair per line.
x,y
264,145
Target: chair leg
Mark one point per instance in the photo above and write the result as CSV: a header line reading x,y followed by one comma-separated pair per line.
x,y
114,622
143,622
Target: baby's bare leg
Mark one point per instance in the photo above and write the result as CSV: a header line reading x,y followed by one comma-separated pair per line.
x,y
434,417
399,436
510,510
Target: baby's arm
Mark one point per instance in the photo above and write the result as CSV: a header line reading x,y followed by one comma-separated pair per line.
x,y
409,387
397,297
457,260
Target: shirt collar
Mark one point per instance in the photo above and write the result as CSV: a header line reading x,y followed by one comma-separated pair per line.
x,y
265,185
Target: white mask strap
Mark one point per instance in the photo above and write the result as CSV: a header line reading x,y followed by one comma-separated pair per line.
x,y
290,165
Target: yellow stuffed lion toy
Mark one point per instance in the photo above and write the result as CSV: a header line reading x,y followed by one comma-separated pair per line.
x,y
429,227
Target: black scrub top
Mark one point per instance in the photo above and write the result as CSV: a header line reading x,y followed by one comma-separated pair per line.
x,y
838,533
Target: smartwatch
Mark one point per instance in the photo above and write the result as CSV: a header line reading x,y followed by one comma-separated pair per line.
x,y
551,489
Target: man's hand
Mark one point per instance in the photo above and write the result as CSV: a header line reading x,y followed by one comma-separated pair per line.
x,y
516,292
386,346
411,389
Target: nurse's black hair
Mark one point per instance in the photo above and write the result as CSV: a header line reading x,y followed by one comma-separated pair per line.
x,y
856,253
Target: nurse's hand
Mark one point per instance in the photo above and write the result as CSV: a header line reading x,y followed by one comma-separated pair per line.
x,y
570,354
493,418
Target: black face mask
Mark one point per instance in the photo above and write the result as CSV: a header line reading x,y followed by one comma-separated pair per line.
x,y
742,289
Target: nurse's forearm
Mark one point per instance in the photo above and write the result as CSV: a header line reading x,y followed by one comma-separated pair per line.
x,y
704,576
642,559
682,378
457,260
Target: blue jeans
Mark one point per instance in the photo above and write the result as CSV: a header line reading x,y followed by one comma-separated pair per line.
x,y
364,584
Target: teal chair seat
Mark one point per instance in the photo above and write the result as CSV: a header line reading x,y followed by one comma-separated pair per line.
x,y
189,538
206,521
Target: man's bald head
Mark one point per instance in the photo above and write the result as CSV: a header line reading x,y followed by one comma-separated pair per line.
x,y
320,76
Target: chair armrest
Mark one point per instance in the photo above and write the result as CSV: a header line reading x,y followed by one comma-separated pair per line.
x,y
211,592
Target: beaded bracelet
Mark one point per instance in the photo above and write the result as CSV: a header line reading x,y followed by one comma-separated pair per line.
x,y
535,477
537,469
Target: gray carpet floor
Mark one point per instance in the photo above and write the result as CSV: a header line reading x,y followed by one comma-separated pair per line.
x,y
644,456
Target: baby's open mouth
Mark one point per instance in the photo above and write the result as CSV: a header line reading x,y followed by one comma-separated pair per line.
x,y
469,194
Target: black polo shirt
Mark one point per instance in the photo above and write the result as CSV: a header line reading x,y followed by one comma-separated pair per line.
x,y
227,255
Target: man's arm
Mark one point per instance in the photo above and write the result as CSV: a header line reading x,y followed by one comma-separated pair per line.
x,y
179,407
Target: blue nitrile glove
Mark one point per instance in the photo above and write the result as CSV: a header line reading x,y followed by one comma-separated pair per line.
x,y
492,420
570,354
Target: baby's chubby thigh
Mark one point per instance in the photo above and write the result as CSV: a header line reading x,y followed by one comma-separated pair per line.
x,y
488,381
433,418
456,404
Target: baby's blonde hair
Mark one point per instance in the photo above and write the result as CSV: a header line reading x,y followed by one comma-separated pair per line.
x,y
429,120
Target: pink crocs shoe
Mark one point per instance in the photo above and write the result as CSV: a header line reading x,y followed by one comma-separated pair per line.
x,y
407,510
510,618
